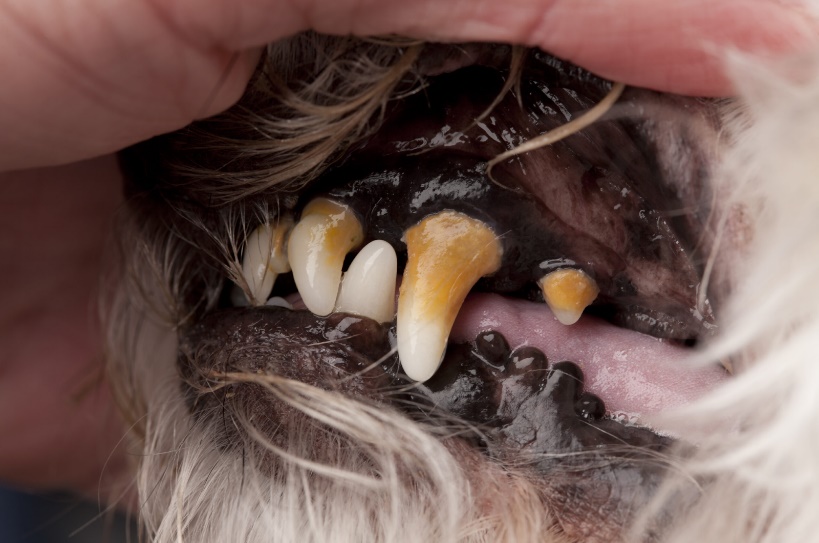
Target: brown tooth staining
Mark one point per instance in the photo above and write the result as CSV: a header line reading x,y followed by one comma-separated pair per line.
x,y
318,244
446,255
568,292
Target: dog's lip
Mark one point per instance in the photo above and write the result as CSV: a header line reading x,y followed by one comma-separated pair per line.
x,y
635,374
632,373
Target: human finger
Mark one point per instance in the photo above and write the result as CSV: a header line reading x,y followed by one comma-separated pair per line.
x,y
92,78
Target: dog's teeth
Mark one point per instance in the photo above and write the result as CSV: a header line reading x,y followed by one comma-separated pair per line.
x,y
318,244
265,258
446,254
368,287
568,292
278,301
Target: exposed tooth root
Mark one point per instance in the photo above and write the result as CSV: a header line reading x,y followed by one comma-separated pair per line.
x,y
568,292
318,244
368,287
447,254
265,258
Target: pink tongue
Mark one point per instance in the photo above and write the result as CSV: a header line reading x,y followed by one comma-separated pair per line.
x,y
631,372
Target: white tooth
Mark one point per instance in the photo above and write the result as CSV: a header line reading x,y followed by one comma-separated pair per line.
x,y
265,258
318,244
446,254
568,292
368,287
278,301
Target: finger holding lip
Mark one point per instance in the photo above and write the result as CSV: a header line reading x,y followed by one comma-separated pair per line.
x,y
96,77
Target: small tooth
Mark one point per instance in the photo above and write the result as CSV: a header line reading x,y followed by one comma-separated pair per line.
x,y
568,292
278,301
318,244
368,287
446,255
265,258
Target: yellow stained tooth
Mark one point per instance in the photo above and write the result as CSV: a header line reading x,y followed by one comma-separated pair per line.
x,y
446,255
568,292
265,257
318,244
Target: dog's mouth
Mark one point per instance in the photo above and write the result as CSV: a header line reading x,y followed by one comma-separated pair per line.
x,y
599,223
542,306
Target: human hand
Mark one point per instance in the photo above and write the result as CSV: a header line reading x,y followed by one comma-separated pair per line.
x,y
87,79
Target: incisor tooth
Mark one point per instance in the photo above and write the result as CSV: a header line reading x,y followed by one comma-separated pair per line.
x,y
568,292
318,244
368,287
265,258
278,301
446,254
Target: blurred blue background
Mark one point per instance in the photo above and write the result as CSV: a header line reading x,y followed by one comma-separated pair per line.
x,y
27,518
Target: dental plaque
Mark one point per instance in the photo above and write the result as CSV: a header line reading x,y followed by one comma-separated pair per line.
x,y
318,244
568,292
446,255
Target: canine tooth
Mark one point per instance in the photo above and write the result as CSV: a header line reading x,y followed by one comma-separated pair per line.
x,y
568,292
446,254
265,258
318,244
368,287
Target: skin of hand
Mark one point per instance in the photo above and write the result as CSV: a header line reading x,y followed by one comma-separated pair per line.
x,y
85,79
